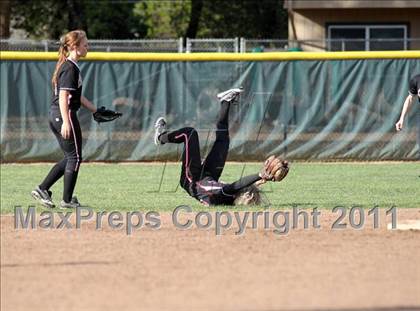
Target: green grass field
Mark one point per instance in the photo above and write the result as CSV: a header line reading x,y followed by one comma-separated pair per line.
x,y
154,186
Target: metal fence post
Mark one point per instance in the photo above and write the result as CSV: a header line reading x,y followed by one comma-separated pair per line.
x,y
188,46
45,43
180,45
242,45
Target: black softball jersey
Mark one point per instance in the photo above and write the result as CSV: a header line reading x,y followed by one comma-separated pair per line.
x,y
70,79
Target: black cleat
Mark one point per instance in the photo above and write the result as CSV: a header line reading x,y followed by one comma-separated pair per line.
x,y
43,197
74,203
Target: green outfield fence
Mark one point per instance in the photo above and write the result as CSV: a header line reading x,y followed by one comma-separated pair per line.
x,y
302,105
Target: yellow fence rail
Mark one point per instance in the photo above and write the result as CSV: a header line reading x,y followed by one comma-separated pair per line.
x,y
270,56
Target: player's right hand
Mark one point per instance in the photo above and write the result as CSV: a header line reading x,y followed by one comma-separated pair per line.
x,y
65,130
399,125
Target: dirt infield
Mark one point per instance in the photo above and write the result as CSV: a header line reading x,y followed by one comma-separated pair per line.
x,y
172,269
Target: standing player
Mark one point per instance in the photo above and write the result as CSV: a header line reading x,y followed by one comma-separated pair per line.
x,y
412,93
63,121
201,179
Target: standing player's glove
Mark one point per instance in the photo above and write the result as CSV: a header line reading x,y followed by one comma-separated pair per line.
x,y
274,169
105,115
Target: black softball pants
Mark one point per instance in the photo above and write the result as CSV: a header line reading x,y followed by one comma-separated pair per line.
x,y
72,149
193,169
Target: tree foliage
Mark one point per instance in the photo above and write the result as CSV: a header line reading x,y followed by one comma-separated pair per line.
x,y
118,19
164,19
213,18
113,20
240,18
42,19
48,19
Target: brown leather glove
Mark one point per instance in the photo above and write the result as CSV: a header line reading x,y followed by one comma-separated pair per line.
x,y
274,169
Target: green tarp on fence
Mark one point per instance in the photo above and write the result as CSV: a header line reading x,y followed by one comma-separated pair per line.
x,y
312,110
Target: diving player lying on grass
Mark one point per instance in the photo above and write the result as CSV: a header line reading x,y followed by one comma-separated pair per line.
x,y
201,179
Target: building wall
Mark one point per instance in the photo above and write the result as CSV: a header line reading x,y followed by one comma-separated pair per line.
x,y
348,4
311,24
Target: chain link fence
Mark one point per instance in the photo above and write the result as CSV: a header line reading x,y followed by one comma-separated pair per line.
x,y
232,45
212,45
28,45
151,45
263,45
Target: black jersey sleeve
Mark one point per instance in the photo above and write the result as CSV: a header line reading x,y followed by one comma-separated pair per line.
x,y
241,183
68,78
414,85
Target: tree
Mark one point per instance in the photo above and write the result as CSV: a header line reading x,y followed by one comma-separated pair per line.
x,y
41,19
164,19
213,18
113,20
249,19
77,18
4,19
48,19
126,19
196,9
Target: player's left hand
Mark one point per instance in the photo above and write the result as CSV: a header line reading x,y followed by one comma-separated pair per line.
x,y
105,115
274,169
